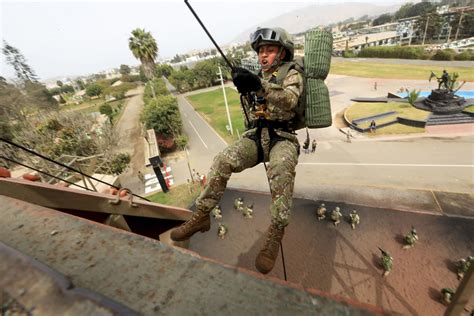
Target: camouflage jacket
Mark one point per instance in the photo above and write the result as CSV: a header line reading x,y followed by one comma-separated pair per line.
x,y
281,101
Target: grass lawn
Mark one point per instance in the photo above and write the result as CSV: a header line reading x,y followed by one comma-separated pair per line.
x,y
405,110
177,196
394,71
212,107
469,109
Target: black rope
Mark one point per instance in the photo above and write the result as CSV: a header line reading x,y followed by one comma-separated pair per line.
x,y
35,169
209,35
63,165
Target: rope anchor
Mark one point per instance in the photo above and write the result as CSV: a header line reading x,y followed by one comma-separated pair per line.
x,y
118,200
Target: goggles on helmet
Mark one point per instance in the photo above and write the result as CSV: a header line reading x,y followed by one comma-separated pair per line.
x,y
264,35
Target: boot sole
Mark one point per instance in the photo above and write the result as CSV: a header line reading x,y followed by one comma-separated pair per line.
x,y
203,230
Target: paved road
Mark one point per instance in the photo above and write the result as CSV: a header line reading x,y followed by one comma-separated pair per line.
x,y
130,140
416,163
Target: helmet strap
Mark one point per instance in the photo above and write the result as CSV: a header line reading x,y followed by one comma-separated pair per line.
x,y
277,60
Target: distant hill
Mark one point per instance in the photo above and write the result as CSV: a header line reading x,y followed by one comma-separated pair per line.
x,y
319,14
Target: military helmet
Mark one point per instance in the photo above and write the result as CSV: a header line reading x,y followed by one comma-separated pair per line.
x,y
275,36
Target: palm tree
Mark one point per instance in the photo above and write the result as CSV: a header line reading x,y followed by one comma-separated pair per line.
x,y
144,47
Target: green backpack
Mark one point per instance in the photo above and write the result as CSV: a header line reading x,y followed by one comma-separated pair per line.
x,y
314,106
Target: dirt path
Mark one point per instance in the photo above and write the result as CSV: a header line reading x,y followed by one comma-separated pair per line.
x,y
130,140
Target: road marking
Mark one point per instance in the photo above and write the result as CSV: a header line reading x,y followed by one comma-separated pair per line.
x,y
202,140
381,164
202,119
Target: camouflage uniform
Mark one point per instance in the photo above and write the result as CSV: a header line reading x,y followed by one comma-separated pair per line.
x,y
410,239
279,147
387,262
247,211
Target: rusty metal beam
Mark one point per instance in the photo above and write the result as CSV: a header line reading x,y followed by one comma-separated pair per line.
x,y
70,199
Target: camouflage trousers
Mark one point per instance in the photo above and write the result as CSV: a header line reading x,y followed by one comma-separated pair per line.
x,y
243,154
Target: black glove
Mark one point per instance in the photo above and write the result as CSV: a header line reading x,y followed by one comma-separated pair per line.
x,y
245,81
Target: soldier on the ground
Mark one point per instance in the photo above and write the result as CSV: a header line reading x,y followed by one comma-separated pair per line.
x,y
411,238
386,261
447,295
336,215
321,212
463,265
354,219
239,204
270,137
141,176
247,211
217,212
313,146
222,230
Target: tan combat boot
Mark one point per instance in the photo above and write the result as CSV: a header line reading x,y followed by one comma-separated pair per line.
x,y
267,256
200,221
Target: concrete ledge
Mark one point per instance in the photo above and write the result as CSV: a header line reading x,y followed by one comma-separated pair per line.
x,y
410,200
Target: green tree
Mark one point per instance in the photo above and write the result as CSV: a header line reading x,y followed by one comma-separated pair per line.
x,y
162,114
420,8
59,83
119,163
382,19
403,11
124,69
15,59
181,141
107,110
67,89
80,84
38,95
93,90
205,72
144,47
55,91
163,70
431,22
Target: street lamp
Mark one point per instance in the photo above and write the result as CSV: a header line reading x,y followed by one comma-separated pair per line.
x,y
225,101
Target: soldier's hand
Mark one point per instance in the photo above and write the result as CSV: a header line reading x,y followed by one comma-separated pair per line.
x,y
245,81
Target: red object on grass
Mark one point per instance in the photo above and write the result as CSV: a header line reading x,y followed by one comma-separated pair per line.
x,y
31,177
5,173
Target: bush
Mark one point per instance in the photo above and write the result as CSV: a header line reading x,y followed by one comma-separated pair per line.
x,y
55,91
159,86
119,163
465,55
348,54
119,91
402,52
67,89
445,54
114,80
106,109
162,114
93,90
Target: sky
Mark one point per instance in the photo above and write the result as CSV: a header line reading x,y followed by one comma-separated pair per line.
x,y
71,38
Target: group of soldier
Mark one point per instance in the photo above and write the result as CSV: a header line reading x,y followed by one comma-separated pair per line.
x,y
462,265
336,215
246,210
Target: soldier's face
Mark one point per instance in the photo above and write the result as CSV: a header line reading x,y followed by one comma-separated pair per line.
x,y
267,55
